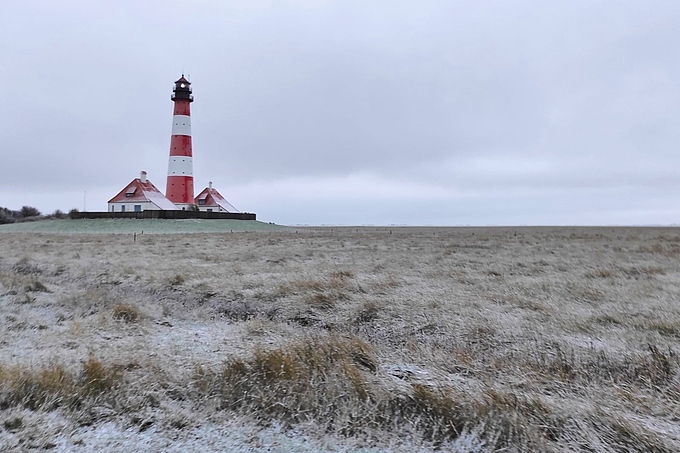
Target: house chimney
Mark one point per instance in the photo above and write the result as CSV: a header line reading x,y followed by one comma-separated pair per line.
x,y
210,185
142,176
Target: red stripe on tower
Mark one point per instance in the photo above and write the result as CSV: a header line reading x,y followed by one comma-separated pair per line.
x,y
180,186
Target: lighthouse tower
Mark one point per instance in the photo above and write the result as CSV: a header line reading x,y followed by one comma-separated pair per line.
x,y
180,186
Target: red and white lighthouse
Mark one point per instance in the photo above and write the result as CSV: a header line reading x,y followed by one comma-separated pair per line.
x,y
180,186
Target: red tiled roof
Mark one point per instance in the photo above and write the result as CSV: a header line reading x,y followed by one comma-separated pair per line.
x,y
214,199
143,192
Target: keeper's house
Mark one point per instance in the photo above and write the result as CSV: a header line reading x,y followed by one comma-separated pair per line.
x,y
140,195
210,200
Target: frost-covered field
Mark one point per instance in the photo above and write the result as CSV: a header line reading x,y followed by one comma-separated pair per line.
x,y
341,339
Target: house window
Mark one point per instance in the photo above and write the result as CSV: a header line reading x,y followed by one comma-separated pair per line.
x,y
209,210
138,208
201,202
113,208
122,208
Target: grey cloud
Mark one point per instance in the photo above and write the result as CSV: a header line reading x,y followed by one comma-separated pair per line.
x,y
564,95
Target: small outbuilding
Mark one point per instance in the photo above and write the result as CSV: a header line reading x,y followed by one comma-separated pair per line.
x,y
140,195
211,200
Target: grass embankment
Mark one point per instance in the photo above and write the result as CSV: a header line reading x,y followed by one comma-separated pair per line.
x,y
130,226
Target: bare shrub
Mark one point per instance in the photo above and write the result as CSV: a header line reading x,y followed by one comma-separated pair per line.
x,y
6,216
29,211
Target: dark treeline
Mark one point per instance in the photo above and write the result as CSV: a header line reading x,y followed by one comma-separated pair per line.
x,y
26,214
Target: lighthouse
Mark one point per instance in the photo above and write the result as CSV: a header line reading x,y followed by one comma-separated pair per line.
x,y
180,185
140,195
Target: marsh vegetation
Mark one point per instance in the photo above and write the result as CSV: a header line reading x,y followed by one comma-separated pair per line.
x,y
356,339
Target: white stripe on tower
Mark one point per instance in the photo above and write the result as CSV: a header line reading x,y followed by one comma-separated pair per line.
x,y
181,125
180,166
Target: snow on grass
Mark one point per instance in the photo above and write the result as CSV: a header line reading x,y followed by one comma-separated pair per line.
x,y
527,339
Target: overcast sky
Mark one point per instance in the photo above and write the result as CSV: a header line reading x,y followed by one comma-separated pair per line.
x,y
352,112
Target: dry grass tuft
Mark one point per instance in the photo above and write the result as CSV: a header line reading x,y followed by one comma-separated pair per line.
x,y
340,279
601,273
127,313
98,378
37,286
13,424
667,328
53,386
177,280
368,312
653,370
331,381
323,301
25,267
315,378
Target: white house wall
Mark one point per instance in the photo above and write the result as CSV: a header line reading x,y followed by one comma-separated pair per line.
x,y
211,208
130,206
